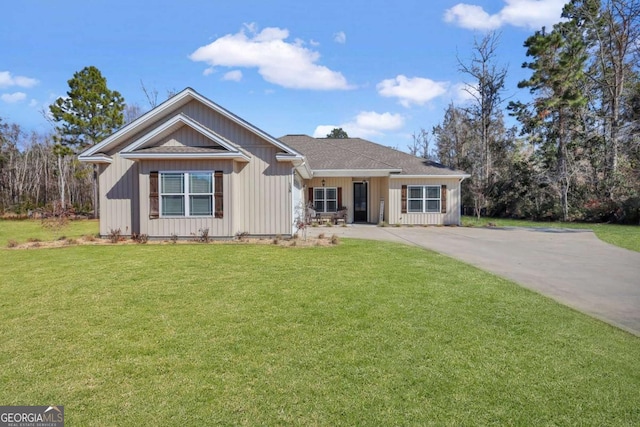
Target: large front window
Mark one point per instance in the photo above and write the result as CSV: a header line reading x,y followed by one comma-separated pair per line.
x,y
186,194
325,199
424,198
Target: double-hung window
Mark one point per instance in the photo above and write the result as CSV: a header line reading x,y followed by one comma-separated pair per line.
x,y
186,194
325,199
424,198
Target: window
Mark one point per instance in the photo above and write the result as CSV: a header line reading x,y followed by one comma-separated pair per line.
x,y
186,194
423,198
325,199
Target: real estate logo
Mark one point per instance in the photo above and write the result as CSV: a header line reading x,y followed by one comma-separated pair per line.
x,y
31,416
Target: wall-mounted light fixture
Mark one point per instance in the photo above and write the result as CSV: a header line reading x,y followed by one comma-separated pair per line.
x,y
323,182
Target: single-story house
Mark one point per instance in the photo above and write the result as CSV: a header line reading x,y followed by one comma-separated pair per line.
x,y
190,165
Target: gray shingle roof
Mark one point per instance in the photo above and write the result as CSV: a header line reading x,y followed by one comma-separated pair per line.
x,y
358,153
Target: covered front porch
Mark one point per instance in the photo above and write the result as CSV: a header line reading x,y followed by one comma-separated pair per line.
x,y
362,197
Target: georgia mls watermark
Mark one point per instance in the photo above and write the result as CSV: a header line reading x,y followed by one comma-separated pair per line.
x,y
31,416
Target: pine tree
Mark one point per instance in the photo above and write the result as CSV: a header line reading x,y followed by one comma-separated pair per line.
x,y
89,113
557,83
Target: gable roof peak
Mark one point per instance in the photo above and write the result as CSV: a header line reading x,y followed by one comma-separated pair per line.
x,y
168,107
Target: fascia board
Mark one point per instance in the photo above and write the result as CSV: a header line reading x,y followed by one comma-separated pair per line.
x,y
462,176
319,173
179,156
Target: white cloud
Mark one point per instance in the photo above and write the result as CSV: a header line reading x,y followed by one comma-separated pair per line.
x,y
234,76
415,90
324,130
13,97
290,65
340,37
33,103
365,125
208,71
7,80
463,92
530,14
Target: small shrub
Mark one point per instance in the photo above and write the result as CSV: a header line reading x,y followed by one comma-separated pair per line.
x,y
328,224
383,224
89,238
33,240
397,224
276,240
140,238
242,236
335,239
321,236
344,224
12,243
114,235
174,238
70,242
62,238
294,243
315,224
55,223
203,235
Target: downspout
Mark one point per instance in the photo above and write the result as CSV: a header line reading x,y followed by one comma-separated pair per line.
x,y
460,200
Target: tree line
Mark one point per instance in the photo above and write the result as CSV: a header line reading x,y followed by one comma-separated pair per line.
x,y
40,172
576,152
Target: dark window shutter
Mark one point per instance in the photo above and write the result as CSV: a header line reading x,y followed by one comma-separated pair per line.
x,y
310,195
404,199
218,194
443,199
154,199
339,197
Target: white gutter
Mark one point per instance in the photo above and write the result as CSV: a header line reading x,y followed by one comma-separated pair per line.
x,y
98,158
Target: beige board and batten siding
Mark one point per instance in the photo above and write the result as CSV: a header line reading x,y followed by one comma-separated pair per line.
x,y
181,226
451,217
185,136
117,187
261,188
262,191
257,195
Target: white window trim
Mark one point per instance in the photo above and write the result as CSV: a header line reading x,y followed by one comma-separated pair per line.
x,y
324,198
424,198
187,193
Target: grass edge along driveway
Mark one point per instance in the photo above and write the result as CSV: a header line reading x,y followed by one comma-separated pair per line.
x,y
624,236
365,333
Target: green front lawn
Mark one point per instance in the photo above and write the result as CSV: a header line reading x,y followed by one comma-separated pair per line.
x,y
364,333
22,231
624,236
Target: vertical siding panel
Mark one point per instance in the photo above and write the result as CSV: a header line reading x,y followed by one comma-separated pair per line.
x,y
257,195
451,217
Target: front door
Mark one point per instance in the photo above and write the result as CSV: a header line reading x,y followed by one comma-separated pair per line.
x,y
360,205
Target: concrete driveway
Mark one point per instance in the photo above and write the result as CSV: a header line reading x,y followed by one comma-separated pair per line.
x,y
573,267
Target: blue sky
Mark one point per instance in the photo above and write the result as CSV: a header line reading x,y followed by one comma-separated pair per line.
x,y
380,69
